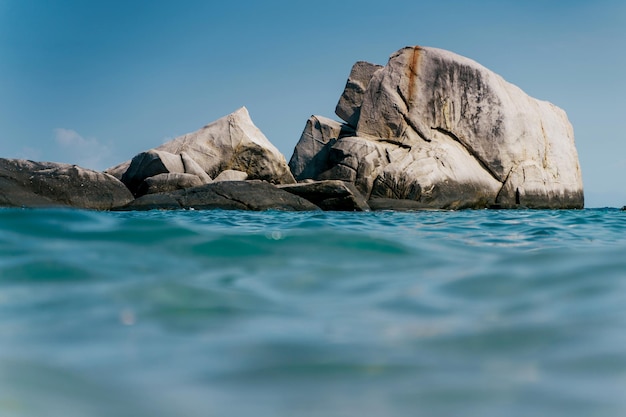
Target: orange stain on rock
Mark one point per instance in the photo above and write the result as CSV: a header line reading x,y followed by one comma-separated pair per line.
x,y
413,68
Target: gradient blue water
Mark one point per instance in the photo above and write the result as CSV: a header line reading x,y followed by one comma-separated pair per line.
x,y
219,313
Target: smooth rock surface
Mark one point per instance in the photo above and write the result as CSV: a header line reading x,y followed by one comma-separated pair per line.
x,y
330,195
310,155
227,195
161,183
444,131
233,142
231,175
154,162
148,164
47,184
349,106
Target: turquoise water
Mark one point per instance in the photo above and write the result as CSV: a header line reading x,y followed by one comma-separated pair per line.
x,y
218,313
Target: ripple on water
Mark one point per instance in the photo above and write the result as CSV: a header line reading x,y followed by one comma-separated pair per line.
x,y
484,313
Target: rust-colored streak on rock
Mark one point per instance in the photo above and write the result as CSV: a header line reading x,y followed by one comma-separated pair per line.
x,y
413,68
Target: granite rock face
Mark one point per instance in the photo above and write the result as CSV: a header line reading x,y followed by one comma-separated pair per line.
x,y
230,143
47,184
349,106
179,169
443,131
310,155
431,129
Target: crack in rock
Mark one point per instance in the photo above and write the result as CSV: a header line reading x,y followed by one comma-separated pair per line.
x,y
475,155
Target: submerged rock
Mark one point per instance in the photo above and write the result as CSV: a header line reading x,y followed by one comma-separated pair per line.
x,y
444,131
48,184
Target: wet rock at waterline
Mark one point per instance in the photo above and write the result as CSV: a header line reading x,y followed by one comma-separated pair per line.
x,y
330,195
48,184
227,195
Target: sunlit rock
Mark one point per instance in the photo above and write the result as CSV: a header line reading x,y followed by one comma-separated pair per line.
x,y
444,131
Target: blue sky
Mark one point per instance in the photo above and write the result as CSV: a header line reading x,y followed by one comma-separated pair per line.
x,y
95,82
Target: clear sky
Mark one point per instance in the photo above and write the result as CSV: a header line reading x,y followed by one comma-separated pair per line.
x,y
95,82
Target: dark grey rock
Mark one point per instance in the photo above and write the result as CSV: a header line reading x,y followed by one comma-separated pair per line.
x,y
227,195
330,195
47,184
396,204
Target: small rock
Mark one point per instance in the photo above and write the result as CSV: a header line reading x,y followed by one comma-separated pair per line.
x,y
168,182
231,175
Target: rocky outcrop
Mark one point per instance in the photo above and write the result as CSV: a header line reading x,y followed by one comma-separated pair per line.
x,y
47,184
227,195
230,143
429,130
441,130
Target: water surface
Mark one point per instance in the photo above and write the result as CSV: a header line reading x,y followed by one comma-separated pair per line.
x,y
227,313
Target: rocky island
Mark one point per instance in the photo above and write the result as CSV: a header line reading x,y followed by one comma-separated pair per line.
x,y
429,130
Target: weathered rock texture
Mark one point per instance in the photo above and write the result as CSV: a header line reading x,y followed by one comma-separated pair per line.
x,y
165,182
230,143
48,184
311,154
443,131
228,195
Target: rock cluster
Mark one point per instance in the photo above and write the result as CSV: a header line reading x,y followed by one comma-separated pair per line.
x,y
430,130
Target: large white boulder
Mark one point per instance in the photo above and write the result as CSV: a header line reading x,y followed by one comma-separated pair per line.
x,y
442,130
233,142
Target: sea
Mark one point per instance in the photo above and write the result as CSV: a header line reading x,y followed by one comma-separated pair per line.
x,y
484,313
